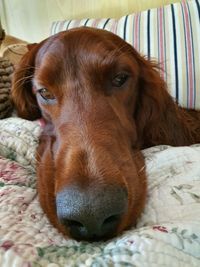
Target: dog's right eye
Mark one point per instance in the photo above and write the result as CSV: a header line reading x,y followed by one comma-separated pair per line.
x,y
120,79
45,94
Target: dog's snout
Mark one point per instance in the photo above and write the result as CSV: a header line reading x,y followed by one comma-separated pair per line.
x,y
91,214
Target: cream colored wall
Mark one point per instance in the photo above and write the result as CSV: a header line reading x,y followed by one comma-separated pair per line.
x,y
31,19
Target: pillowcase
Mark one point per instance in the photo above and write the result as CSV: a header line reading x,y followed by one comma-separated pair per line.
x,y
106,24
170,35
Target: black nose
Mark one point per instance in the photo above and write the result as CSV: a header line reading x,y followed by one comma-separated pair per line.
x,y
92,213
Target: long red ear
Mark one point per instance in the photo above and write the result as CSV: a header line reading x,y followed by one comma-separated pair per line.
x,y
22,94
157,116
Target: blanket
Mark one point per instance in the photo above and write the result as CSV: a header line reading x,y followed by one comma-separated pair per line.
x,y
167,234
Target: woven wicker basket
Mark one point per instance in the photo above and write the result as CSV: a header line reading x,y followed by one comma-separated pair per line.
x,y
6,70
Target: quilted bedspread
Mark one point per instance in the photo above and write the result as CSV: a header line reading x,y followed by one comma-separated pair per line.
x,y
167,234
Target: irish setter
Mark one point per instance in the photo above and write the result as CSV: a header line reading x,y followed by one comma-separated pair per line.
x,y
102,103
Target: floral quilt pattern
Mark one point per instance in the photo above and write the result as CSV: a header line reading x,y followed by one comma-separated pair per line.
x,y
167,234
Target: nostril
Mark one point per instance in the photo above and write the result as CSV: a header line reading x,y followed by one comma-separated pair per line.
x,y
76,228
72,223
111,220
109,225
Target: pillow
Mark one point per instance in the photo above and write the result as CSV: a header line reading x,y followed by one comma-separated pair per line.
x,y
170,34
106,24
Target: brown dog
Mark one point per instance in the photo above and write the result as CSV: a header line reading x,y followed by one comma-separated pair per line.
x,y
102,103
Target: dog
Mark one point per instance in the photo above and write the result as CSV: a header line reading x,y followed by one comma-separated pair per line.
x,y
102,103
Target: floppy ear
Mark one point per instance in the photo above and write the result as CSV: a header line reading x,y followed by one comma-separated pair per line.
x,y
156,114
22,94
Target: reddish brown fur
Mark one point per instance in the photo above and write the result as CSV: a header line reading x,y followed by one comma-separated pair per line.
x,y
95,131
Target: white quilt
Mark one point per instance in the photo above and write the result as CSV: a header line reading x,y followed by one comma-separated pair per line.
x,y
168,233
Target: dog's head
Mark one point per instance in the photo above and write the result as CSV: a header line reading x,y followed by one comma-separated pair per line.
x,y
92,88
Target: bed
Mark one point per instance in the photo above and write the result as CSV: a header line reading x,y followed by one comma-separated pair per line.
x,y
168,232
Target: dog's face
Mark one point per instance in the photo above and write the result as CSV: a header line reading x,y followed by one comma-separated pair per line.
x,y
84,82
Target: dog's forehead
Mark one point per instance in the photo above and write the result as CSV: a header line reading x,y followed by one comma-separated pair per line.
x,y
81,45
78,53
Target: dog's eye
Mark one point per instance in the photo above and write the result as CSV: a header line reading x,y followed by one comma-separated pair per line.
x,y
46,94
119,79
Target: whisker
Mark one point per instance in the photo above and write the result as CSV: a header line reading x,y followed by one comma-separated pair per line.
x,y
21,81
142,169
28,68
26,76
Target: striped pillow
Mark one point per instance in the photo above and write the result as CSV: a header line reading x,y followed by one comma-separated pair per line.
x,y
107,24
170,34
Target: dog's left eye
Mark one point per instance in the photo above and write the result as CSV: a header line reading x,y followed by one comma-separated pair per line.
x,y
45,94
119,79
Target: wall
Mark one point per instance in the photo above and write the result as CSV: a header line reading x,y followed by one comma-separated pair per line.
x,y
31,19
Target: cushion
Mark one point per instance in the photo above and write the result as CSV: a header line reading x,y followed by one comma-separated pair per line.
x,y
170,34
